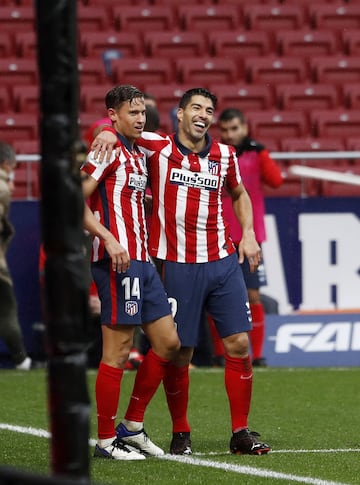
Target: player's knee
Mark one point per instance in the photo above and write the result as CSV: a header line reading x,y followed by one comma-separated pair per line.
x,y
169,348
237,345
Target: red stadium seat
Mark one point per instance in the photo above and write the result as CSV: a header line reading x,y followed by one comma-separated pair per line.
x,y
243,96
206,70
335,69
274,17
27,184
167,95
175,44
85,121
352,143
239,3
18,71
271,145
6,103
307,96
16,18
110,3
91,71
305,3
351,42
142,18
293,186
272,69
22,3
6,45
92,99
25,43
28,147
142,71
175,3
239,43
18,126
26,98
96,43
208,18
311,144
92,17
277,124
166,122
339,123
335,16
338,189
351,93
306,42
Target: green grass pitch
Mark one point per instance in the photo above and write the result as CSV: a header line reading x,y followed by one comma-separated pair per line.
x,y
310,417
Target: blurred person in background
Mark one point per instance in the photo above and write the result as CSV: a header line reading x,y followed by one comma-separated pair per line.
x,y
256,168
10,331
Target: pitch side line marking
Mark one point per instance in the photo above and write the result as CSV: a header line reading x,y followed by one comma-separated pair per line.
x,y
248,470
244,470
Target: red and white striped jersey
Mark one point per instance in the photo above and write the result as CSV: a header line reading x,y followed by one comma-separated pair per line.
x,y
118,201
187,224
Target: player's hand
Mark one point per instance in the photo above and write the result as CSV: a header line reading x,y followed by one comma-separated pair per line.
x,y
103,145
120,258
249,247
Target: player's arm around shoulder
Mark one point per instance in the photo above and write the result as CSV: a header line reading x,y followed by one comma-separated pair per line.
x,y
104,143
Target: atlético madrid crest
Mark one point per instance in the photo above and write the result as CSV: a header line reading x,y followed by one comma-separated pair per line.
x,y
213,167
131,307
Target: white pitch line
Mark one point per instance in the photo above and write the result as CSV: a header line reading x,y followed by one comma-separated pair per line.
x,y
39,433
250,471
193,460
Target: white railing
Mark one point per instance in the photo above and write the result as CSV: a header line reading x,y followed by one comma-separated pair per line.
x,y
302,170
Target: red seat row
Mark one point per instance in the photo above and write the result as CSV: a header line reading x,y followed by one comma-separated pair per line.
x,y
236,43
206,17
203,70
303,97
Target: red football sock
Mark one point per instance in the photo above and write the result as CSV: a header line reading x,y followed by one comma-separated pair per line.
x,y
257,333
238,384
218,346
107,390
176,385
148,378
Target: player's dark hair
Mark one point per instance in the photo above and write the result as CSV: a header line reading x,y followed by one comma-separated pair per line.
x,y
150,97
231,113
120,94
152,119
186,97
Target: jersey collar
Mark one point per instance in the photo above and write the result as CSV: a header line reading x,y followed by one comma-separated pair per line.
x,y
187,151
126,143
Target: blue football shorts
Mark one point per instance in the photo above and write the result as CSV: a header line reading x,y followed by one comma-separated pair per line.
x,y
130,298
217,287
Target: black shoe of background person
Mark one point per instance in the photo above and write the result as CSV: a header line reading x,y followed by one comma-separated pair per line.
x,y
244,442
181,444
260,362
